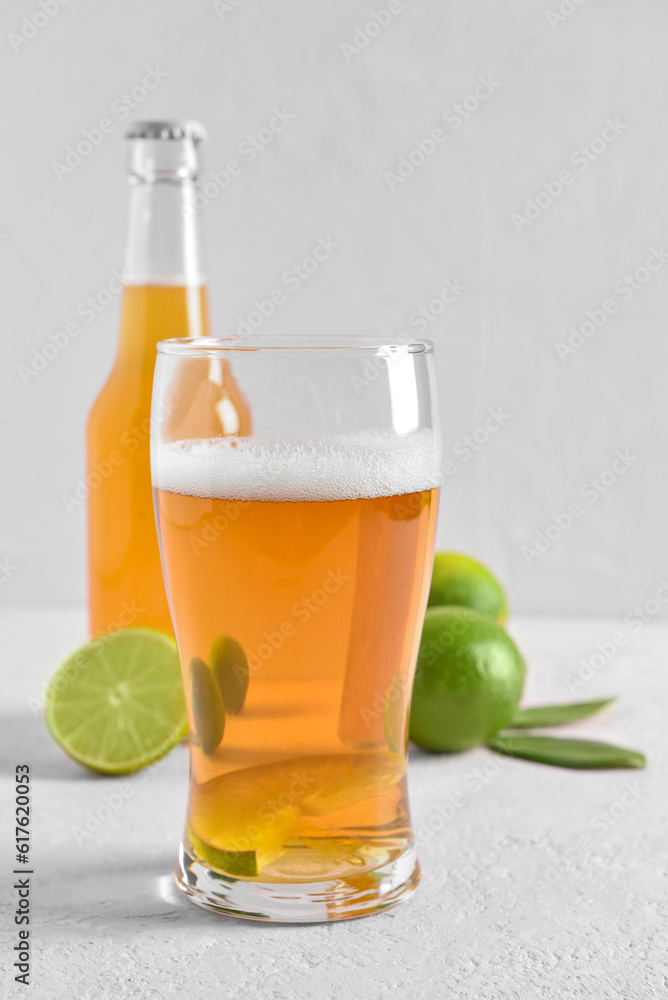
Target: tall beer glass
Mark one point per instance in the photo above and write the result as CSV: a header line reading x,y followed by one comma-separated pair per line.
x,y
297,561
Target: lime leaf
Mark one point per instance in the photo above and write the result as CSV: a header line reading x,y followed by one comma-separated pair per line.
x,y
207,706
584,754
117,705
557,715
230,668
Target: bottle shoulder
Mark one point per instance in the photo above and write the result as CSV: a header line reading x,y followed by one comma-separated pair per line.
x,y
121,400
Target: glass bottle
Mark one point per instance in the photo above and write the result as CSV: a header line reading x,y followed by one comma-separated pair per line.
x,y
164,296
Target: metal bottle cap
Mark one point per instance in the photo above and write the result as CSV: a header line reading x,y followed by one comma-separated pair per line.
x,y
156,159
171,129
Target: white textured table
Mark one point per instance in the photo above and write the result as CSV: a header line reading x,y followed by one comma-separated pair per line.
x,y
537,882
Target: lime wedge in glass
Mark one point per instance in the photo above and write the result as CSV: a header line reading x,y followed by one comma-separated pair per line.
x,y
240,863
244,820
117,704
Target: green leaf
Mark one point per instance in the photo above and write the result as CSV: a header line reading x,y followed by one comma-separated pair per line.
x,y
557,715
583,754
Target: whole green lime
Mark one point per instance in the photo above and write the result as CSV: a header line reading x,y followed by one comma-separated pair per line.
x,y
468,681
461,580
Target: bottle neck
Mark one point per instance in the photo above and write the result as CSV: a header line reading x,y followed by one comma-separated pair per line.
x,y
163,242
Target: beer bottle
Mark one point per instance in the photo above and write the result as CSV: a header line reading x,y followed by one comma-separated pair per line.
x,y
164,295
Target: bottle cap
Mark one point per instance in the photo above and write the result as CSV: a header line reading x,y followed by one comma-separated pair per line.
x,y
154,159
171,129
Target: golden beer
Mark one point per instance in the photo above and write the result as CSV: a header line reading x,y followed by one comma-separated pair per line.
x,y
297,574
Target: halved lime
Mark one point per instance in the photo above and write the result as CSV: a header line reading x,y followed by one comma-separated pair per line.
x,y
117,704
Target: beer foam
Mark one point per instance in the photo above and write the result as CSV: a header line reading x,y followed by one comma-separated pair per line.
x,y
345,467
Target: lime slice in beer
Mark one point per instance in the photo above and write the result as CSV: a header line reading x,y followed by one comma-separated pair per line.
x,y
242,863
240,821
117,704
340,780
244,820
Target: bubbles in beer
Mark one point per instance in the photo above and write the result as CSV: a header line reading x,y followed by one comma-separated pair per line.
x,y
346,467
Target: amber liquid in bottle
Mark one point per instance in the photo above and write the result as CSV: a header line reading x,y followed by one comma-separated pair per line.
x,y
164,296
125,576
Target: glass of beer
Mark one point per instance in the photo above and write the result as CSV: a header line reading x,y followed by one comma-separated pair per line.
x,y
297,554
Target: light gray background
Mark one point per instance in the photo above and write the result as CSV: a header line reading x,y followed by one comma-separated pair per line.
x,y
555,86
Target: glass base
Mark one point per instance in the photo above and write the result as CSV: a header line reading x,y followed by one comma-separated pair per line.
x,y
298,902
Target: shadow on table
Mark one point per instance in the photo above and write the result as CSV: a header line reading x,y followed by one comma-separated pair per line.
x,y
94,900
26,740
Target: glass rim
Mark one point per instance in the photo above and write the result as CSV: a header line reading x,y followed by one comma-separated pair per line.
x,y
340,344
